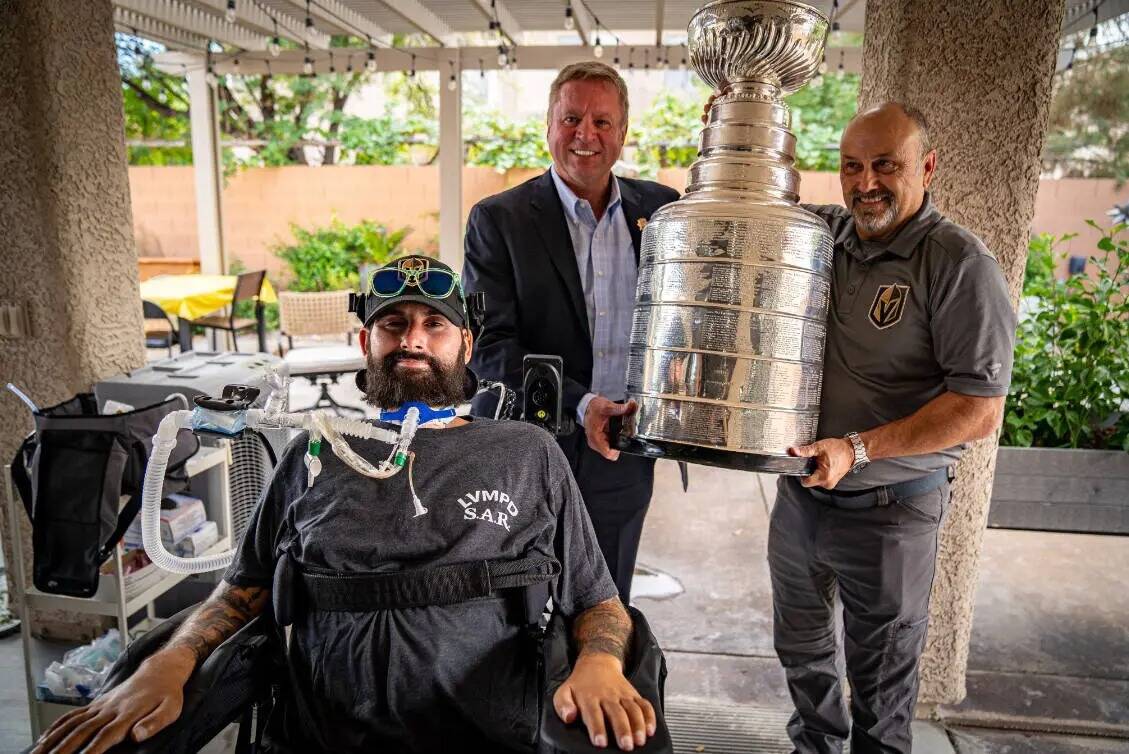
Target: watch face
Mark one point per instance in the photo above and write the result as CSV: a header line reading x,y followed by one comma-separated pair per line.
x,y
859,466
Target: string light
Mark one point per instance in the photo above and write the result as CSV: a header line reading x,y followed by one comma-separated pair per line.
x,y
570,22
307,66
660,62
412,72
598,50
452,83
842,54
481,69
332,67
349,67
646,60
370,64
502,57
1094,29
235,66
682,65
274,47
210,77
229,14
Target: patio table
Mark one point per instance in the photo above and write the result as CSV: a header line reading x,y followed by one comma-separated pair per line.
x,y
187,297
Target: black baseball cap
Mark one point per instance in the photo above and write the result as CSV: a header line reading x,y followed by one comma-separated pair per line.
x,y
414,278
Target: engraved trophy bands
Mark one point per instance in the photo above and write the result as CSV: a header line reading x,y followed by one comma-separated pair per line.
x,y
726,359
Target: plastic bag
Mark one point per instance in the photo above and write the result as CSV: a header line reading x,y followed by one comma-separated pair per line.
x,y
83,670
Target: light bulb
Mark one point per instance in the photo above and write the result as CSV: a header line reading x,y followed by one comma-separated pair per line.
x,y
682,65
210,78
235,66
502,58
598,50
452,85
370,64
570,22
274,47
307,66
229,14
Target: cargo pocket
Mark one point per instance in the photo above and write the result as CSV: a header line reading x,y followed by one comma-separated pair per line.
x,y
897,674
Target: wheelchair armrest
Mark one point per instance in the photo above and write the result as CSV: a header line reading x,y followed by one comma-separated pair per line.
x,y
237,674
646,670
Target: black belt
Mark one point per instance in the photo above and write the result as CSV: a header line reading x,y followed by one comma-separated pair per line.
x,y
296,587
879,496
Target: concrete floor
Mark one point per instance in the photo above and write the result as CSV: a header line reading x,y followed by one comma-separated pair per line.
x,y
1049,648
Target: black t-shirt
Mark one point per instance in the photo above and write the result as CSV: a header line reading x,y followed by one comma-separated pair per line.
x,y
415,679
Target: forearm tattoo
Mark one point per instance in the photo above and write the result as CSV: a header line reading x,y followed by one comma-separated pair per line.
x,y
606,627
228,609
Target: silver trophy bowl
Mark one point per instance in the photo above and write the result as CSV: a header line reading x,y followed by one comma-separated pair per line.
x,y
726,359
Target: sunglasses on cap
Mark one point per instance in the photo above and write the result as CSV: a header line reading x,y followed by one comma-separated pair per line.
x,y
431,282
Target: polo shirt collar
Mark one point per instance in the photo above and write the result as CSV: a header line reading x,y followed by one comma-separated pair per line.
x,y
906,239
571,202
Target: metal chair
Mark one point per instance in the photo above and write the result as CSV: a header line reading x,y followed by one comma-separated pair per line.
x,y
247,287
319,315
159,329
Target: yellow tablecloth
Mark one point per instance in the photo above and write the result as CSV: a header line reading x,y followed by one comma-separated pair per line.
x,y
192,296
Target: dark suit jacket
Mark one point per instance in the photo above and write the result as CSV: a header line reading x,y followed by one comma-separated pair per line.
x,y
519,253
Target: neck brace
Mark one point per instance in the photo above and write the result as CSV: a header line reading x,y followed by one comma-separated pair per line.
x,y
427,414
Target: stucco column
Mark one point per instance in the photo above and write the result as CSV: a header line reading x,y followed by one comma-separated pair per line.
x,y
67,254
982,74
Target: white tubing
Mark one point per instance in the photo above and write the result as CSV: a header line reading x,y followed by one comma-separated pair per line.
x,y
163,443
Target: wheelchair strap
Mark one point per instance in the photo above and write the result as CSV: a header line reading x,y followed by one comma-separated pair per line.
x,y
422,587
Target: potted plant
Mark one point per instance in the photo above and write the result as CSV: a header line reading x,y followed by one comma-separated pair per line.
x,y
1063,463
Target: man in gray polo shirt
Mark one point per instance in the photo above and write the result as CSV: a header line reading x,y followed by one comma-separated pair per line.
x,y
918,361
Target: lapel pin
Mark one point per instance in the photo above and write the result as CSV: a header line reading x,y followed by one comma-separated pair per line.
x,y
641,223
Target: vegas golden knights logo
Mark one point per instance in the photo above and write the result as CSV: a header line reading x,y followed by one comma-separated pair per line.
x,y
889,303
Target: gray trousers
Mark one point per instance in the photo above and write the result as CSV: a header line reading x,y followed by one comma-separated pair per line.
x,y
880,562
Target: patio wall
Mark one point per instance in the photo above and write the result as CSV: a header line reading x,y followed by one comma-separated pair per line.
x,y
260,203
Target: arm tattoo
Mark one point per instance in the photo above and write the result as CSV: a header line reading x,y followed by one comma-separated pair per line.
x,y
227,610
605,627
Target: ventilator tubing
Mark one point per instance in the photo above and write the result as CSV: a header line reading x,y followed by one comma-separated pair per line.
x,y
317,424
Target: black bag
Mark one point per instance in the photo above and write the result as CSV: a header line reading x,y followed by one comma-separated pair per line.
x,y
72,473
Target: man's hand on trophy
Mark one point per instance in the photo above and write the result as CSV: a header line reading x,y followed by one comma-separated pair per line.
x,y
706,108
596,417
834,457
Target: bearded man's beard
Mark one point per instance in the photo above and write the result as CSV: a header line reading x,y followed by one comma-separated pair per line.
x,y
438,385
875,219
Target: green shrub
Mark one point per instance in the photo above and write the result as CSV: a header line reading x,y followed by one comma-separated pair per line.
x,y
329,258
1071,378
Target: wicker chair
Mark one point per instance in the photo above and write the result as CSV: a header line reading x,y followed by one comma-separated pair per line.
x,y
319,315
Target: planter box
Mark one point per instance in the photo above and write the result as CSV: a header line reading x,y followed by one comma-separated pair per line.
x,y
1053,489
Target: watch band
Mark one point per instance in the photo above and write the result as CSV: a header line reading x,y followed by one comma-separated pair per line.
x,y
862,460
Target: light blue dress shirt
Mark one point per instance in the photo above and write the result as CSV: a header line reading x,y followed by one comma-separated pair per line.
x,y
605,259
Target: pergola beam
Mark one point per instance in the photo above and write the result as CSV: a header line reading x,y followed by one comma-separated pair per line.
x,y
536,57
192,19
255,16
419,16
511,29
129,22
660,9
341,16
585,25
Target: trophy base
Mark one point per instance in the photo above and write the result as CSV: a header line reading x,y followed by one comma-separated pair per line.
x,y
725,459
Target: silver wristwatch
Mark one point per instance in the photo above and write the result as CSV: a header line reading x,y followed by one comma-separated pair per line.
x,y
862,460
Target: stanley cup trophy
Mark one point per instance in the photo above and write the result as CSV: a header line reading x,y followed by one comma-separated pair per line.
x,y
726,359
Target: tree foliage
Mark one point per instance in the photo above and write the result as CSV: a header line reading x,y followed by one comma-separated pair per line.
x,y
1088,133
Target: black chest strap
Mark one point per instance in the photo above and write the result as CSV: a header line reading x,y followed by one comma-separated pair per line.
x,y
298,588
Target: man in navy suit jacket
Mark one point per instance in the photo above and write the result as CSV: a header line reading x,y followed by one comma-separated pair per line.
x,y
557,258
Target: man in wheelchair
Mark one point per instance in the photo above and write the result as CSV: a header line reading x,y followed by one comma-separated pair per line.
x,y
406,603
